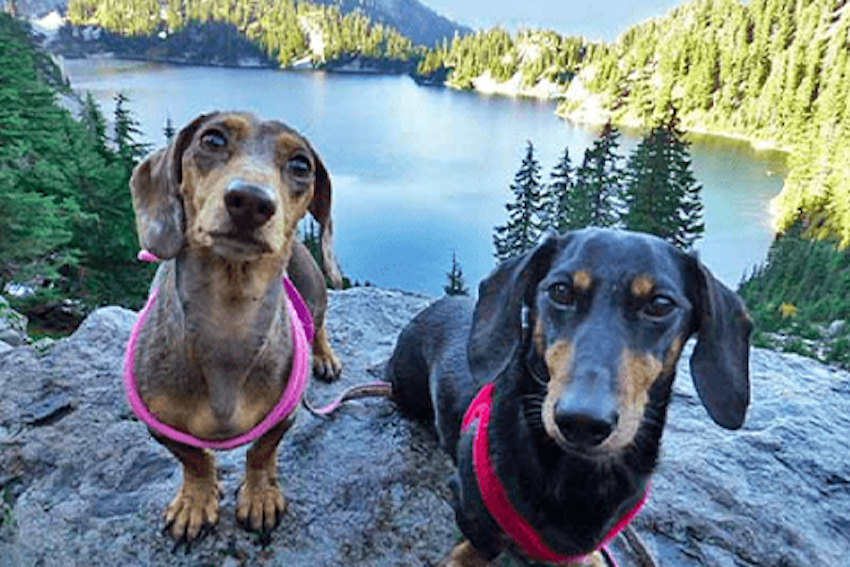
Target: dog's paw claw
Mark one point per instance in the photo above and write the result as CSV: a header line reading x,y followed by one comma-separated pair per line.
x,y
260,504
193,511
327,368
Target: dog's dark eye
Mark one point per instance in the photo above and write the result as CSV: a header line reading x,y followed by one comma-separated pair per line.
x,y
658,307
214,140
562,294
300,167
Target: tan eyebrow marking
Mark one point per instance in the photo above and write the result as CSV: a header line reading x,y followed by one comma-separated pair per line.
x,y
642,286
582,281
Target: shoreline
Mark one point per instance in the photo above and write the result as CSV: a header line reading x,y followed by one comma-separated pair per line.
x,y
588,112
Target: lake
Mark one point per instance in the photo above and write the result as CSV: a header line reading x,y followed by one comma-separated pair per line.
x,y
421,172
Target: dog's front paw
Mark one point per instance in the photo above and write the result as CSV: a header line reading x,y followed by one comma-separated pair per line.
x,y
464,555
193,509
327,368
595,559
326,365
260,504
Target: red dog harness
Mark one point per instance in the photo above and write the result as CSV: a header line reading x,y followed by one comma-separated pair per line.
x,y
302,330
496,497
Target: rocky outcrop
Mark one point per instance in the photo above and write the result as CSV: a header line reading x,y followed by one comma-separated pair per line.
x,y
83,483
13,326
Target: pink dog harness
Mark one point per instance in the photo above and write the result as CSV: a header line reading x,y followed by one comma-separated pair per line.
x,y
302,331
498,503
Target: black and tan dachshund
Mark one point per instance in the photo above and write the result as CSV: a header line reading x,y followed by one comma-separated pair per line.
x,y
576,344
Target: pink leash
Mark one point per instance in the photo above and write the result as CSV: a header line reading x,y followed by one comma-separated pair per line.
x,y
367,390
302,330
498,503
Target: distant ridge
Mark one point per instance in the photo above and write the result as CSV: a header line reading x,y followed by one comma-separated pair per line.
x,y
412,18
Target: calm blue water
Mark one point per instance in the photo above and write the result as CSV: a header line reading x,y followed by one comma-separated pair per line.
x,y
419,173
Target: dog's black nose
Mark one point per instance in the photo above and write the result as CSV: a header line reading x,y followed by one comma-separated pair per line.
x,y
584,425
249,206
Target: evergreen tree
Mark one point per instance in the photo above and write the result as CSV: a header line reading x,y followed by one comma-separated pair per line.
x,y
126,132
556,198
169,130
577,204
37,203
597,197
662,195
66,218
524,227
457,284
92,118
106,238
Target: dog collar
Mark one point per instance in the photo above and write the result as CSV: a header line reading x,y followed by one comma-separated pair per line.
x,y
496,499
302,331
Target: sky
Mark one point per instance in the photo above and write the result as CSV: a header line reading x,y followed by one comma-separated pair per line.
x,y
595,19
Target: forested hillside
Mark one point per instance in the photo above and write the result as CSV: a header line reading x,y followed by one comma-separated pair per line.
x,y
287,31
774,71
410,17
67,228
538,55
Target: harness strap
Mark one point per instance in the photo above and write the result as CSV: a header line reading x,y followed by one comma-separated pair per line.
x,y
303,330
498,503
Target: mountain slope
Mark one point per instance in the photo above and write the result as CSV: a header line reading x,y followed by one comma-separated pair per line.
x,y
412,18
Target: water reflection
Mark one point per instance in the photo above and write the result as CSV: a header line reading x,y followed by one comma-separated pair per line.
x,y
422,172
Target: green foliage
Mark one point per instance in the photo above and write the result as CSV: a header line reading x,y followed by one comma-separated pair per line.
x,y
37,207
169,130
536,54
771,70
656,193
662,195
66,219
524,225
283,29
597,197
814,278
310,234
456,283
558,209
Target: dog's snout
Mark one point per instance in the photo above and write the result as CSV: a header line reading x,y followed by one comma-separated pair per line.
x,y
249,206
584,428
587,413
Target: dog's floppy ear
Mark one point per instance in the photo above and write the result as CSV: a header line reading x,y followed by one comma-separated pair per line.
x,y
320,208
720,361
497,320
155,186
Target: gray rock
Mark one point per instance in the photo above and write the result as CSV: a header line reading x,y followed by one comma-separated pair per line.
x,y
12,337
836,328
87,485
13,325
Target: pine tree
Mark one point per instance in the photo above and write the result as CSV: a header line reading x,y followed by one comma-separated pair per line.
x,y
662,195
457,284
107,238
126,132
37,202
93,120
596,199
524,226
169,130
556,198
